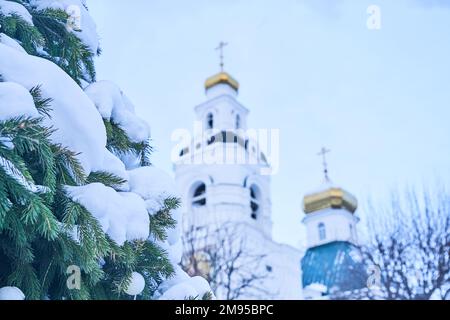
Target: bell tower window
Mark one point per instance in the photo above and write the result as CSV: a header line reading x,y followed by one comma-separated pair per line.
x,y
255,202
238,121
210,121
199,196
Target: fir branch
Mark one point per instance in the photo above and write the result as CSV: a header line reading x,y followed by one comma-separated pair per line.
x,y
68,168
106,178
206,296
120,144
42,104
163,220
24,276
63,47
28,36
32,149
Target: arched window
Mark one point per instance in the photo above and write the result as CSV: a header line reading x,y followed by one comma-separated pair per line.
x,y
255,199
184,152
322,231
199,196
209,121
238,121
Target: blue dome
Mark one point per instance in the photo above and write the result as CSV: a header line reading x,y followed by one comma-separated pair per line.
x,y
336,265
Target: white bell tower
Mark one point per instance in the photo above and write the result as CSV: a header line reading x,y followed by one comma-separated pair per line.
x,y
224,179
219,171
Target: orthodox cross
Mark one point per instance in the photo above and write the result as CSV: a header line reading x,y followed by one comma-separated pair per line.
x,y
323,153
220,48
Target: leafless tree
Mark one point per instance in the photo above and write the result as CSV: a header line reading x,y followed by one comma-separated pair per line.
x,y
409,246
223,256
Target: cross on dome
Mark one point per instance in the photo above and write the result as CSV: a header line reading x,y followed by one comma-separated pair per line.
x,y
323,153
220,48
222,77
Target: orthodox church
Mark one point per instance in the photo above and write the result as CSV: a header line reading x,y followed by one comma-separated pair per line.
x,y
219,175
332,262
222,176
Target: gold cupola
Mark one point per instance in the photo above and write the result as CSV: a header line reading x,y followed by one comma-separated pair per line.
x,y
329,197
219,78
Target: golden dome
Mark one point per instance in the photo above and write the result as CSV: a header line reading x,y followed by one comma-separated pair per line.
x,y
331,197
222,77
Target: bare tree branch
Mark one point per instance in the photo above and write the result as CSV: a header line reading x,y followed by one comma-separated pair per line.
x,y
409,242
225,259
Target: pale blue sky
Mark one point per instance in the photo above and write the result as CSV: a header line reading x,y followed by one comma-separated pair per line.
x,y
379,99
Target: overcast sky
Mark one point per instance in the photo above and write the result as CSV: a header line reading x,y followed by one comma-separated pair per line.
x,y
380,100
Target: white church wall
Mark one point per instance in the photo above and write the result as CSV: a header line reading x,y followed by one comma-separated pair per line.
x,y
284,279
340,225
224,109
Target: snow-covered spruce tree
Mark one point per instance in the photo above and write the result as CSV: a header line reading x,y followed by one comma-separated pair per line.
x,y
77,191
